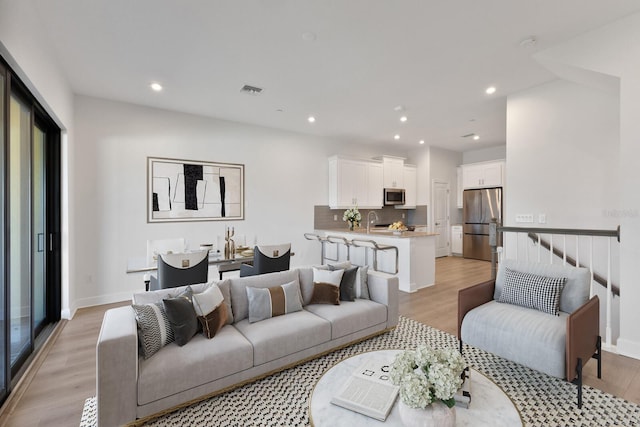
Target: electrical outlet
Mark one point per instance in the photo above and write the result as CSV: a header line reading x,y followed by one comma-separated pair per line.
x,y
528,218
335,217
402,216
542,218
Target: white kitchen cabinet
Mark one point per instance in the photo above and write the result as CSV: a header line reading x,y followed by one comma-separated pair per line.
x,y
410,179
480,175
354,182
393,172
456,239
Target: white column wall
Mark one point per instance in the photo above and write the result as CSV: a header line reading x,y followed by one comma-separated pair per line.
x,y
614,51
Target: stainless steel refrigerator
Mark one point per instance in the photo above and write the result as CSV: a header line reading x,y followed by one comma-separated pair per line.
x,y
479,207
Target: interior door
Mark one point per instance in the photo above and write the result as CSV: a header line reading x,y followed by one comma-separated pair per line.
x,y
440,202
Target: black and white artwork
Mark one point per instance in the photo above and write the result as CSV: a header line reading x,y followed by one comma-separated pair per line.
x,y
190,190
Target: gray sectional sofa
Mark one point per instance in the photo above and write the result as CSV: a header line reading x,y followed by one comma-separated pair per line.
x,y
129,386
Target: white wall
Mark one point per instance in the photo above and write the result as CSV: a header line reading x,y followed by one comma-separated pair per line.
x,y
286,174
562,155
498,152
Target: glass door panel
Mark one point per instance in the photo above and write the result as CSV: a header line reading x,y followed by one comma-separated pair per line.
x,y
19,230
39,237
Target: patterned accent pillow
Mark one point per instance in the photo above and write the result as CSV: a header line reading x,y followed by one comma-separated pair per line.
x,y
326,286
265,303
532,291
154,329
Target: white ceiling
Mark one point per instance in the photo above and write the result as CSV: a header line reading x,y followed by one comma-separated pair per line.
x,y
435,58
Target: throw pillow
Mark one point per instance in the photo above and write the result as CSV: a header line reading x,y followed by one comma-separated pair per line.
x,y
154,329
362,283
265,303
211,309
532,291
182,316
347,283
326,286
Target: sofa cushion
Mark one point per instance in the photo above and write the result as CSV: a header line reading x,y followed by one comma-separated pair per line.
x,y
347,283
284,335
154,329
326,286
238,285
211,311
532,291
182,317
575,292
273,301
176,369
160,294
519,334
350,316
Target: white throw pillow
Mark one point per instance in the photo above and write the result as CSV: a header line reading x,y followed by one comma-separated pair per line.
x,y
207,301
327,276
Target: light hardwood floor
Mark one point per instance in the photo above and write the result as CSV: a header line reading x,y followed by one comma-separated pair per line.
x,y
56,394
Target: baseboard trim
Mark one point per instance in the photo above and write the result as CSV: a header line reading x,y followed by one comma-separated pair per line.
x,y
628,348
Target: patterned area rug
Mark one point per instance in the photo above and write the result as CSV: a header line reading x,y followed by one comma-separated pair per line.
x,y
282,399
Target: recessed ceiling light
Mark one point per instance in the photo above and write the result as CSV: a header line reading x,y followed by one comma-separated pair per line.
x,y
476,137
403,119
490,90
309,36
157,87
421,141
396,137
311,119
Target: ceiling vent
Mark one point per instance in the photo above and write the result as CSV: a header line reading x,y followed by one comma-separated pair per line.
x,y
469,135
251,90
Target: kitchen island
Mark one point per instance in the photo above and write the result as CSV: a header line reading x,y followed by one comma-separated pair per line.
x,y
416,254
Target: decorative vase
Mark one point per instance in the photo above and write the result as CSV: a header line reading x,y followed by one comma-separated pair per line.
x,y
435,415
350,226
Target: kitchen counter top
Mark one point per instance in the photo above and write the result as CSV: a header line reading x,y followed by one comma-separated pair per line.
x,y
380,233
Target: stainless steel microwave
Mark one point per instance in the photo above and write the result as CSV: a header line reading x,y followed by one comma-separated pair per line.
x,y
393,196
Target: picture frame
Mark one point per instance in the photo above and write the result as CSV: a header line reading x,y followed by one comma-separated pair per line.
x,y
193,190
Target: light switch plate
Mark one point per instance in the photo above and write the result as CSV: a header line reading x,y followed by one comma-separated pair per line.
x,y
525,218
542,218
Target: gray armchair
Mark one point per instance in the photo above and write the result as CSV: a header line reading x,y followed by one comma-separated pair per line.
x,y
181,269
268,259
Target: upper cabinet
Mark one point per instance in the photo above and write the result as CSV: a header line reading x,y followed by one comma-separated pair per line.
x,y
480,175
459,187
410,178
354,182
393,172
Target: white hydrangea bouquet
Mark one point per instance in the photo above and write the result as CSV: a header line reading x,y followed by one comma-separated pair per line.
x,y
428,375
352,216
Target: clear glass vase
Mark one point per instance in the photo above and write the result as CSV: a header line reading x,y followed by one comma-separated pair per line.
x,y
435,415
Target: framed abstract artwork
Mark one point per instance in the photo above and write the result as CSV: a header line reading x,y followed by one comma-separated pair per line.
x,y
192,190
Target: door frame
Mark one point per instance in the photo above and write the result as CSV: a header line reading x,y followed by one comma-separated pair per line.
x,y
432,222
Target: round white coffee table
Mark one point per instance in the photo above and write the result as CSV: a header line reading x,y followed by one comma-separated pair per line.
x,y
489,406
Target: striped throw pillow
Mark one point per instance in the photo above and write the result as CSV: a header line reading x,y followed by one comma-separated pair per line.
x,y
154,329
532,291
265,303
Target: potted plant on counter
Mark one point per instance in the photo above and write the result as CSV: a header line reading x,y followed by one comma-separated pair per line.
x,y
353,217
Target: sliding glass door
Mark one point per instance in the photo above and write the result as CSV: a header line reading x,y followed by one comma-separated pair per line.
x,y
30,227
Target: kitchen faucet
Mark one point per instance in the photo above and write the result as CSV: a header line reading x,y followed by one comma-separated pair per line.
x,y
369,219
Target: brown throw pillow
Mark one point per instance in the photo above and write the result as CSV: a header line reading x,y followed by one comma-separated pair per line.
x,y
326,286
214,321
325,293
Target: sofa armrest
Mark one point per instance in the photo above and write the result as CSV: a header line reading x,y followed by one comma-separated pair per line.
x,y
117,368
583,329
383,288
472,297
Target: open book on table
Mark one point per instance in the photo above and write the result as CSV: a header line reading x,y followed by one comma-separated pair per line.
x,y
368,391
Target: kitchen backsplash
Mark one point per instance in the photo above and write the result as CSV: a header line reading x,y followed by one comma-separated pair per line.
x,y
323,216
